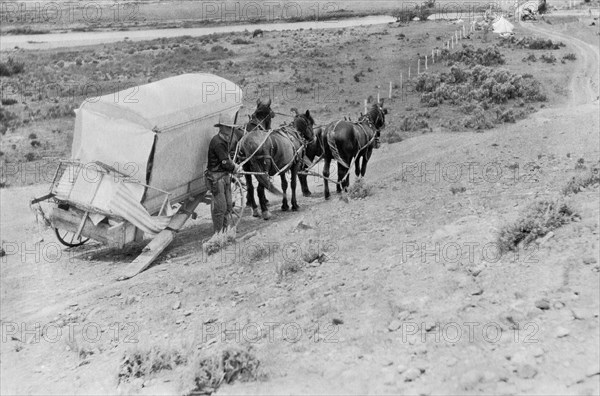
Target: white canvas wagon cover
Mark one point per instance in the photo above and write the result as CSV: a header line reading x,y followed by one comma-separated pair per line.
x,y
167,123
158,134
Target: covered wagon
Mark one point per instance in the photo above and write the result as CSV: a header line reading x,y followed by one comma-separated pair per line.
x,y
137,162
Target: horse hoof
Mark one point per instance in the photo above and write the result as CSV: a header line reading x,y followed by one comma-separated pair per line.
x,y
295,208
285,208
327,197
306,193
255,213
266,215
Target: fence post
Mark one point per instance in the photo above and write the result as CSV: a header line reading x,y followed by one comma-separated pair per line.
x,y
409,72
401,91
377,95
432,56
425,62
418,66
365,106
390,92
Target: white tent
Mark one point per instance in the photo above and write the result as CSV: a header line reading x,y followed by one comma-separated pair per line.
x,y
503,26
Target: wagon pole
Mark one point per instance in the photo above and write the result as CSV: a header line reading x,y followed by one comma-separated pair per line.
x,y
312,173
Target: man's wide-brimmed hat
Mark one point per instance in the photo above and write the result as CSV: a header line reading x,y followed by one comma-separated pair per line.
x,y
226,120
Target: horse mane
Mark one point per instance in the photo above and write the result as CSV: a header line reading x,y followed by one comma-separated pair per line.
x,y
373,114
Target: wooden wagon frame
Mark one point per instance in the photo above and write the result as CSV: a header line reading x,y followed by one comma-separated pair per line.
x,y
137,167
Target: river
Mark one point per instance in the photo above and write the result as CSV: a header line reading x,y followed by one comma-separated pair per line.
x,y
76,39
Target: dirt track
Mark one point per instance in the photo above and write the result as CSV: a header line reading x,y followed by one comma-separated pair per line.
x,y
375,277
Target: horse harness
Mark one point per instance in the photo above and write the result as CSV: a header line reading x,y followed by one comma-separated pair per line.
x,y
291,134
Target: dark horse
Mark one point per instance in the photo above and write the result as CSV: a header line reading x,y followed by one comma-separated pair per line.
x,y
345,141
276,152
314,149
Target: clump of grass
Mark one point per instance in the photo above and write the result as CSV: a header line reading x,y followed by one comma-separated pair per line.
x,y
240,41
287,267
141,363
548,58
570,56
538,219
457,190
258,250
579,182
360,189
9,101
211,369
414,122
391,136
219,240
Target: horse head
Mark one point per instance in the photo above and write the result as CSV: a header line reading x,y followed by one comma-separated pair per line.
x,y
304,124
376,116
261,118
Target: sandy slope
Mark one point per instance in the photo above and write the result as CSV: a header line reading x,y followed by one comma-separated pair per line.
x,y
375,277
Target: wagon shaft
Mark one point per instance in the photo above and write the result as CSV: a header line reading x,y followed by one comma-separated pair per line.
x,y
162,240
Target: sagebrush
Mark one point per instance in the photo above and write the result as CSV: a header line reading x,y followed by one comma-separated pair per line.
x,y
538,219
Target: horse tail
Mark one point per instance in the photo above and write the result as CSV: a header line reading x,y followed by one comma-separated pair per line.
x,y
333,146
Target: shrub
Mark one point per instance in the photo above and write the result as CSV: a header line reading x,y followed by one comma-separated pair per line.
x,y
577,183
530,58
226,366
537,220
482,84
570,57
391,136
11,67
240,41
141,363
468,55
9,101
32,136
539,43
548,58
413,122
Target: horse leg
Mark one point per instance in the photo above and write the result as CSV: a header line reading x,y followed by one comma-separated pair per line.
x,y
294,176
342,179
304,185
357,165
326,165
363,169
263,202
284,185
250,201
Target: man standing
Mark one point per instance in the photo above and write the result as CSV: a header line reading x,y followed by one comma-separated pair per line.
x,y
218,177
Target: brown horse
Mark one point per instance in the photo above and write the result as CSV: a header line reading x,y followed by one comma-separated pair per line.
x,y
345,141
276,152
